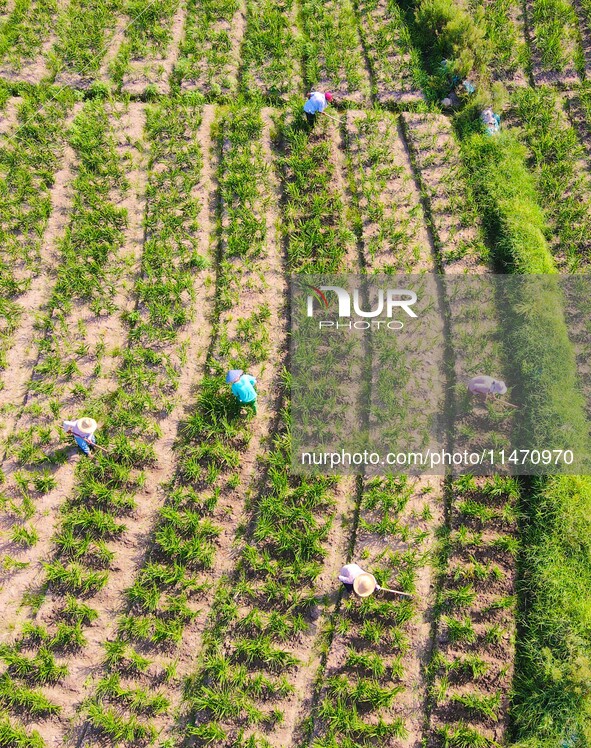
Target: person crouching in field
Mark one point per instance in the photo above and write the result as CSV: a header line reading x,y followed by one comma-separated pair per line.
x,y
486,386
316,104
243,387
83,432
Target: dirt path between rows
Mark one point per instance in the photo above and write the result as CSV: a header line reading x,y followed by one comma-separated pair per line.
x,y
8,117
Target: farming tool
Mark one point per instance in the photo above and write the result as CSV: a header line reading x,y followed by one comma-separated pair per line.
x,y
506,402
336,119
394,592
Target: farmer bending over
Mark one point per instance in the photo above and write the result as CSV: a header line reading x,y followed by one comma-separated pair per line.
x,y
348,573
243,387
491,121
316,104
83,432
486,386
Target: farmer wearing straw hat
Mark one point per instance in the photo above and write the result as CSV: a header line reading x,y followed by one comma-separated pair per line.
x,y
243,387
362,583
486,386
83,432
349,573
316,104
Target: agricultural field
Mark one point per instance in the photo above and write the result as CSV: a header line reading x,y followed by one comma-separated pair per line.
x,y
159,186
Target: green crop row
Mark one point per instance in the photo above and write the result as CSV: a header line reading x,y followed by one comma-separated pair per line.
x,y
147,377
360,692
392,222
29,158
259,613
83,31
85,275
333,58
16,736
315,232
395,63
551,701
206,59
564,187
80,550
23,32
548,704
504,33
471,668
148,33
271,51
452,212
554,26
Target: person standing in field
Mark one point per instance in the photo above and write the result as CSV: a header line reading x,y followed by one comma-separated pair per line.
x,y
486,386
316,104
83,431
243,387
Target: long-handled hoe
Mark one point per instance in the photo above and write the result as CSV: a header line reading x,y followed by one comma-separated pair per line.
x,y
336,119
395,592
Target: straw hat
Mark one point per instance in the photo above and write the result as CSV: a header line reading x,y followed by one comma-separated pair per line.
x,y
498,387
364,584
86,425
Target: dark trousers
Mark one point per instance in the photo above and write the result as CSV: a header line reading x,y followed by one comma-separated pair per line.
x,y
311,119
347,586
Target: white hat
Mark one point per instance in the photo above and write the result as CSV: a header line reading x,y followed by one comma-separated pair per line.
x,y
86,425
364,584
498,386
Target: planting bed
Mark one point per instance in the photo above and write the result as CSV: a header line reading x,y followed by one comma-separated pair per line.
x,y
333,58
83,31
209,52
505,32
26,38
556,54
393,60
271,51
559,163
149,46
451,211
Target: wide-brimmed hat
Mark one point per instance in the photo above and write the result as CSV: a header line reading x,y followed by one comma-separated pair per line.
x,y
86,425
364,584
233,375
499,387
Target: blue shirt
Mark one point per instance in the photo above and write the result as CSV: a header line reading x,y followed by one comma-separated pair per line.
x,y
316,103
244,390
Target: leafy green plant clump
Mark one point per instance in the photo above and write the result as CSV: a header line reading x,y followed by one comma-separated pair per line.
x,y
450,31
